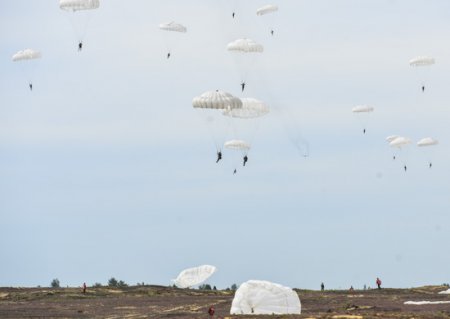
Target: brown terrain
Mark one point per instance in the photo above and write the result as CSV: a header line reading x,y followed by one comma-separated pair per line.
x,y
168,302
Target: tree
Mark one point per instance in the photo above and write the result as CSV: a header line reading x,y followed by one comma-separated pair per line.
x,y
112,282
234,287
55,283
205,287
122,283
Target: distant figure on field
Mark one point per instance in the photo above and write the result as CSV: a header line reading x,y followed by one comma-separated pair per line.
x,y
30,86
243,86
80,46
219,156
365,287
322,286
245,160
211,311
378,282
351,288
84,287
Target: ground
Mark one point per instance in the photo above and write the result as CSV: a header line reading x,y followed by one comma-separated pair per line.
x,y
168,302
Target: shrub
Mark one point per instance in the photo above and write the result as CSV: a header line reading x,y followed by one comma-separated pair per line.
x,y
55,283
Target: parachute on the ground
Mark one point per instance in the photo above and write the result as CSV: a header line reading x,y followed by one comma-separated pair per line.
x,y
194,276
251,108
173,26
27,54
217,99
78,5
270,8
427,141
256,297
245,46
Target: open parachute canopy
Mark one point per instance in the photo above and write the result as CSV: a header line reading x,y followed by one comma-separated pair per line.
x,y
390,138
237,145
427,141
400,142
217,99
251,108
421,61
27,54
173,26
194,276
78,5
362,109
257,297
270,8
245,46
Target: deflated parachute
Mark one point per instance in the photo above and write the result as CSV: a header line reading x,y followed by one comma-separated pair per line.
x,y
194,276
256,297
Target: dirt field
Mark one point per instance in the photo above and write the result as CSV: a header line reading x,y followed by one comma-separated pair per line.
x,y
165,302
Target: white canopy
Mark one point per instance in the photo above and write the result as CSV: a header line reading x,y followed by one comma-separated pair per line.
x,y
77,5
172,26
245,46
251,108
362,109
237,145
421,61
194,276
27,54
216,100
400,142
267,9
427,141
256,297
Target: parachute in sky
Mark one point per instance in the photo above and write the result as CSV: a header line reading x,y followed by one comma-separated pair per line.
x,y
256,297
237,145
79,14
390,138
426,143
251,108
245,52
194,276
210,106
171,34
28,59
363,111
270,8
267,13
420,62
401,143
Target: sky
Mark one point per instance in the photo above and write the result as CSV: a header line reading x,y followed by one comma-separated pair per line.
x,y
106,170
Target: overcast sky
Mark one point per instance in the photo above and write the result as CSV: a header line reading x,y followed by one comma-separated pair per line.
x,y
107,170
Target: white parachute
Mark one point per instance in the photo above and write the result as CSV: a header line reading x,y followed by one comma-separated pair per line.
x,y
172,30
78,5
28,58
420,62
251,108
256,297
363,111
194,276
245,46
270,8
245,52
267,14
238,145
27,54
400,142
390,138
219,100
427,141
173,26
79,15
